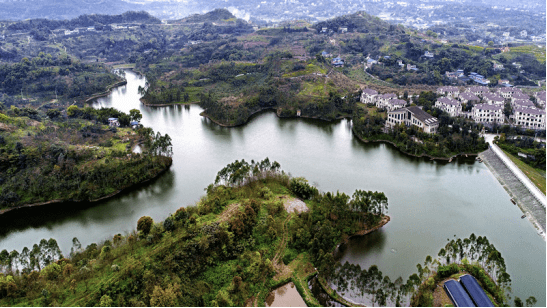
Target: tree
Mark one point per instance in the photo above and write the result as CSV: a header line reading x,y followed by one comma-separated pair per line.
x,y
531,301
106,301
135,114
165,297
145,224
518,302
490,43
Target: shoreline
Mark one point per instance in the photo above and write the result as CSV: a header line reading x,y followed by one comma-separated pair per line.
x,y
107,92
59,201
449,159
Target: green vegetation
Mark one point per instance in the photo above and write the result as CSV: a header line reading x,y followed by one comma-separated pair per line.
x,y
533,165
473,255
79,158
455,136
45,78
216,253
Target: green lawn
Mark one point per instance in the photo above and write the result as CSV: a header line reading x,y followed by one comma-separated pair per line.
x,y
537,176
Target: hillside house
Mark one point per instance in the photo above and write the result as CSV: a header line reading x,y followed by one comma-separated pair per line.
x,y
410,67
113,122
369,96
337,62
429,54
370,63
498,67
343,29
480,79
382,100
412,116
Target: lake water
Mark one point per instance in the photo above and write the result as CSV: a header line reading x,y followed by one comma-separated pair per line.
x,y
429,201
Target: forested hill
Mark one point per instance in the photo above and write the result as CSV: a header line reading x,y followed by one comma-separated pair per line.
x,y
61,9
85,21
216,15
358,22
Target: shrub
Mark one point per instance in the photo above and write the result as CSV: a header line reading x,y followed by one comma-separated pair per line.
x,y
302,189
52,271
145,224
448,270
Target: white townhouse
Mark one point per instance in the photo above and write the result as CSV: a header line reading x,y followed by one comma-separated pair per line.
x,y
369,96
382,100
395,103
540,98
522,103
468,98
484,113
449,91
449,105
532,118
493,99
478,90
507,92
519,95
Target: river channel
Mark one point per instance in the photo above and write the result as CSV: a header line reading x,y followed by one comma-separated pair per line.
x,y
429,201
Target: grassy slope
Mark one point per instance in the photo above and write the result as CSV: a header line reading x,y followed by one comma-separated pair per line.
x,y
537,176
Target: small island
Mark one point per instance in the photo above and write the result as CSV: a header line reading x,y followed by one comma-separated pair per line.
x,y
75,155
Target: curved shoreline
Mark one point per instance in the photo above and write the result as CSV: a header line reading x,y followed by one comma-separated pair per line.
x,y
449,159
119,191
107,92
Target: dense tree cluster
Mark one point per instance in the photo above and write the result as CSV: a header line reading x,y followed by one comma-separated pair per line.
x,y
48,77
54,161
534,151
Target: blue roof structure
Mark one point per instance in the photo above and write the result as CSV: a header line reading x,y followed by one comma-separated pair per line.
x,y
134,123
112,119
324,53
457,294
475,291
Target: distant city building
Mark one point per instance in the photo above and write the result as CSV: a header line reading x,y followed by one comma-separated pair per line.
x,y
523,33
410,67
413,116
429,54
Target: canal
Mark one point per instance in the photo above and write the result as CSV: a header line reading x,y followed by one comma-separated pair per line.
x,y
429,201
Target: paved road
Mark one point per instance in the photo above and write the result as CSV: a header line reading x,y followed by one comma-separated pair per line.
x,y
516,171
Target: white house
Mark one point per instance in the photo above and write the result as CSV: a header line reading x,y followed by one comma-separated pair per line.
x,y
532,118
382,100
493,99
477,90
413,116
395,103
448,91
484,113
369,96
449,105
468,97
